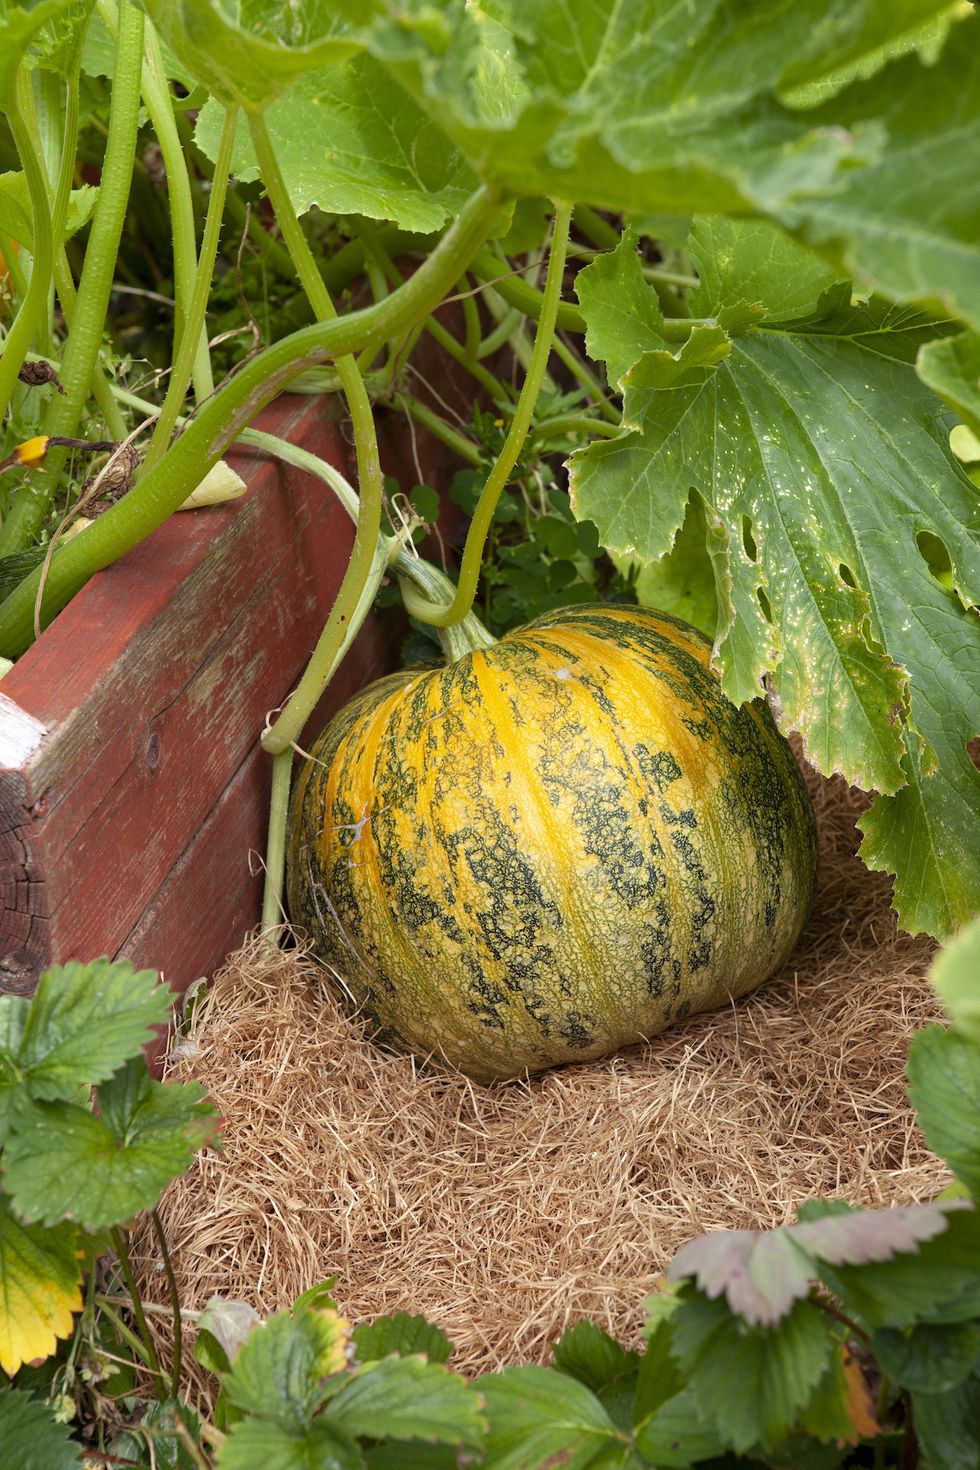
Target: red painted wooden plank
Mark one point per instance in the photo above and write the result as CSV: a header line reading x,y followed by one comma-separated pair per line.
x,y
131,783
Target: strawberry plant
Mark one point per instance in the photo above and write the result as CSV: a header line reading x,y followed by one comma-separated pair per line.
x,y
88,1140
849,1338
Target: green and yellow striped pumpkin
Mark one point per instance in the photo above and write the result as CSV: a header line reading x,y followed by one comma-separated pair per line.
x,y
552,846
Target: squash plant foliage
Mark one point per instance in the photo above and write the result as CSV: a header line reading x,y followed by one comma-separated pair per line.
x,y
784,357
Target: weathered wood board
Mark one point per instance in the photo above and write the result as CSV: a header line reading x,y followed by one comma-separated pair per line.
x,y
133,793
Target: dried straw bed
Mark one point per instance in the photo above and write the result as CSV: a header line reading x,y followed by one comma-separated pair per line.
x,y
505,1214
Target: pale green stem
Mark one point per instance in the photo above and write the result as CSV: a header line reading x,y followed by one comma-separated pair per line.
x,y
438,427
286,729
516,435
159,105
32,501
365,568
574,423
501,333
30,314
275,861
275,847
187,351
471,317
64,284
459,638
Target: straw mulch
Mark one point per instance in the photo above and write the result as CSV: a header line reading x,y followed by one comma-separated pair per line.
x,y
505,1214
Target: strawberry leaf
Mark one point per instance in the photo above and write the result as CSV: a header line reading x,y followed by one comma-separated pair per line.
x,y
31,1438
63,1162
40,1288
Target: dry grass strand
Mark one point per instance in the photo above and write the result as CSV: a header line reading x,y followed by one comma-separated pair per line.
x,y
506,1214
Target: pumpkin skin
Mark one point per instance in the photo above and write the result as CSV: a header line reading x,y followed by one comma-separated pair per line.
x,y
553,847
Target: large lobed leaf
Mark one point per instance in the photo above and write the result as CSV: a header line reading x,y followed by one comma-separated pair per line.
x,y
350,140
908,223
647,107
798,417
640,104
249,51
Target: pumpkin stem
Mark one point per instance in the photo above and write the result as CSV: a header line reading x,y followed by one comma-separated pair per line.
x,y
460,638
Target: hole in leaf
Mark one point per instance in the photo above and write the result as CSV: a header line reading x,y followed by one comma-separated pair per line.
x,y
764,603
846,575
936,558
748,540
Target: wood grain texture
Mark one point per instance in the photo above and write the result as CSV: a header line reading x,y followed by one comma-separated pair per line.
x,y
132,787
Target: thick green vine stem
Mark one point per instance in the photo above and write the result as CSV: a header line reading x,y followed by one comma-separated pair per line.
x,y
326,655
469,572
219,421
159,104
496,272
63,280
32,501
190,337
33,306
466,636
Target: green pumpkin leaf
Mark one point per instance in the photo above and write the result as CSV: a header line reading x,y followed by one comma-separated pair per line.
x,y
924,834
750,1383
537,1417
822,582
908,223
249,51
654,108
403,1334
63,1162
83,1023
928,1358
409,1398
15,209
31,1438
40,1288
19,28
944,1086
954,976
273,1446
682,582
947,1426
350,140
762,1273
623,319
951,368
279,1370
592,1357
